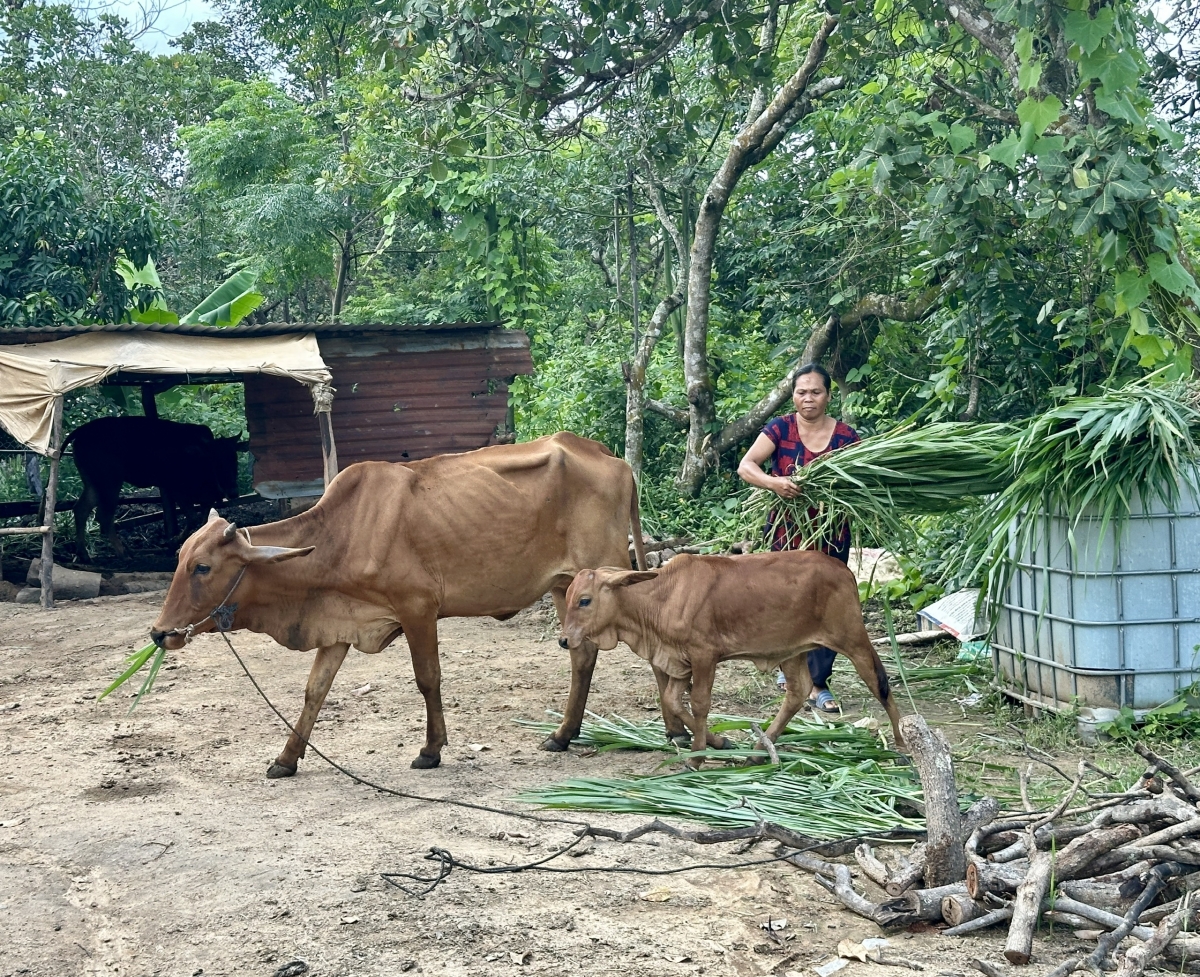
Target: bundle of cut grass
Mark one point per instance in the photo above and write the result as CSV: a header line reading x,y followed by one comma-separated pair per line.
x,y
881,479
1088,456
835,803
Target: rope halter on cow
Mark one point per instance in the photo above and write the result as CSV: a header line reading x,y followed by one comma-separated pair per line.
x,y
222,614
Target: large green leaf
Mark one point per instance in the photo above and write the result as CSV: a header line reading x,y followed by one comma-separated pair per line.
x,y
229,302
1039,112
1089,33
143,278
1170,275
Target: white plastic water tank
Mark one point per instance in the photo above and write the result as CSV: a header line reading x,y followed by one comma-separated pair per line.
x,y
1111,622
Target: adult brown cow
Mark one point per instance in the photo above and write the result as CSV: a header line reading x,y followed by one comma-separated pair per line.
x,y
698,611
390,548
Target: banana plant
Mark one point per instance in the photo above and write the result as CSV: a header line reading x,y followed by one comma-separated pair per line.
x,y
226,305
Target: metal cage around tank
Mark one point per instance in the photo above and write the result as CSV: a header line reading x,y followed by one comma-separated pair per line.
x,y
1112,621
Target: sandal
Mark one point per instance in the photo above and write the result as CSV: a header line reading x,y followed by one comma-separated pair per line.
x,y
825,703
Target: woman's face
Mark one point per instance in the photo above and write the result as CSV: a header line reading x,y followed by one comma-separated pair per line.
x,y
810,396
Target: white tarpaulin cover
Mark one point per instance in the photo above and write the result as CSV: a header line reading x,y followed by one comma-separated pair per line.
x,y
32,376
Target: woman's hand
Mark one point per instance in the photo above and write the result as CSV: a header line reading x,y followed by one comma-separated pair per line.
x,y
784,487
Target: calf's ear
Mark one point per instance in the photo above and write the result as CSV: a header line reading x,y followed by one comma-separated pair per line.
x,y
276,554
632,576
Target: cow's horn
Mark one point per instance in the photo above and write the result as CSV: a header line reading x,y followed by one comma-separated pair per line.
x,y
277,554
230,531
213,515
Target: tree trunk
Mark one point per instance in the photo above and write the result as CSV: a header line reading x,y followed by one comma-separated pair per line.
x,y
341,269
945,860
635,381
756,140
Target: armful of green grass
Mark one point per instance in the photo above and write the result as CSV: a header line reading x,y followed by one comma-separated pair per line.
x,y
135,663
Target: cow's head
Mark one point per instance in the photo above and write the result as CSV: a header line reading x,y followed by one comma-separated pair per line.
x,y
593,610
211,561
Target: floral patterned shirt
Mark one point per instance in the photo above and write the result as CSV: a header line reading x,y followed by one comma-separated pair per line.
x,y
790,454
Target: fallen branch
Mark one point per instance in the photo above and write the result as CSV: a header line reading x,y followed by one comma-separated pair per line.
x,y
872,867
1136,957
1178,777
994,918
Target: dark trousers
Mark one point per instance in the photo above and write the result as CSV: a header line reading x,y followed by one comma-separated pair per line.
x,y
820,666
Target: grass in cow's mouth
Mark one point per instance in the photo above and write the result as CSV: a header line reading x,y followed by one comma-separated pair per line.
x,y
134,664
838,802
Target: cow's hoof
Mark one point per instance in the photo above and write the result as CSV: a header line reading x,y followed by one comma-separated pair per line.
x,y
277,770
682,741
727,744
423,762
551,745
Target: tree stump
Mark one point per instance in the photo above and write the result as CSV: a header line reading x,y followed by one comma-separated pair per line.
x,y
945,860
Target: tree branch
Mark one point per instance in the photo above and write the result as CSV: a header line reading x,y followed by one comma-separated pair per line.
x,y
975,20
677,417
984,108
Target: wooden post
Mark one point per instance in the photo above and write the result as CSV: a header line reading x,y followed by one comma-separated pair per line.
x,y
149,404
322,394
47,572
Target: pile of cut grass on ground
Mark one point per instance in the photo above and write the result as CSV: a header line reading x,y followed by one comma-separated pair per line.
x,y
833,780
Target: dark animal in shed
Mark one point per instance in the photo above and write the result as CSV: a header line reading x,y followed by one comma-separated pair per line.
x,y
183,461
698,611
390,548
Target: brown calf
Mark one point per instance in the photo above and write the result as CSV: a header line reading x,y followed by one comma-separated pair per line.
x,y
698,611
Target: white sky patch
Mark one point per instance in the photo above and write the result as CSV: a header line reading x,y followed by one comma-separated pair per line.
x,y
153,22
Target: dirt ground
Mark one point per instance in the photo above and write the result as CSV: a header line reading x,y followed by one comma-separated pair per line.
x,y
152,843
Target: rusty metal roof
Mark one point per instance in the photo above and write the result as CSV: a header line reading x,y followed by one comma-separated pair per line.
x,y
45,334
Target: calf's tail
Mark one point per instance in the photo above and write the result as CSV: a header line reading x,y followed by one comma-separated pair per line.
x,y
635,522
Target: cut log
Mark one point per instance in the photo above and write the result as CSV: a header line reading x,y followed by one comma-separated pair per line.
x,y
909,872
926,904
1018,947
988,877
1068,920
959,909
1104,895
945,860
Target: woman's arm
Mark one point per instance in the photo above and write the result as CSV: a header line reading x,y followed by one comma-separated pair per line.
x,y
750,470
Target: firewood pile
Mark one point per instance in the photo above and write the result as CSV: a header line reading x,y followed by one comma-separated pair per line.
x,y
1108,866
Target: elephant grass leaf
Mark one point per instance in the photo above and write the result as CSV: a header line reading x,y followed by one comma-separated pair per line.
x,y
135,663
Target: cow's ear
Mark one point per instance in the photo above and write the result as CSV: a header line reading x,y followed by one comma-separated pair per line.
x,y
276,554
633,576
213,515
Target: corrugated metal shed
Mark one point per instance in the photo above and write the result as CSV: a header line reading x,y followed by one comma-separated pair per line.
x,y
402,394
404,391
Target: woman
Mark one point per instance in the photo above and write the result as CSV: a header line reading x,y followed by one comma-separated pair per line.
x,y
790,442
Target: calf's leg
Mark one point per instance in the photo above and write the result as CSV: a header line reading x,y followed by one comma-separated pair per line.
x,y
703,674
583,663
324,667
677,731
427,668
799,684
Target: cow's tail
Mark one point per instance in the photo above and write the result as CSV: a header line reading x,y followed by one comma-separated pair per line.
x,y
67,440
635,522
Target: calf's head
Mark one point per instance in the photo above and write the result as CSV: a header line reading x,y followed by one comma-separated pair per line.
x,y
594,607
210,563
